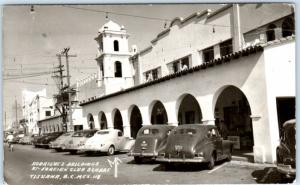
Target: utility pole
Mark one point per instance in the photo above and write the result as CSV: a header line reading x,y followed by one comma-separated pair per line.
x,y
16,125
69,90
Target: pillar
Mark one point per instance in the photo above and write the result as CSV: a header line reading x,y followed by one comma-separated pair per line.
x,y
126,124
145,115
207,109
171,113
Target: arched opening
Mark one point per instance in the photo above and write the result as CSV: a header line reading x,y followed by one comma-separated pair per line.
x,y
188,110
54,129
159,114
91,122
232,117
118,121
118,69
288,27
116,45
271,32
135,121
57,128
102,120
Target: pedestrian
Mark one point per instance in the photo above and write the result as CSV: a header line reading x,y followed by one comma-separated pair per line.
x,y
184,67
10,138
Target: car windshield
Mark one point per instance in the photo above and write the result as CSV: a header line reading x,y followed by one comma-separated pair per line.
x,y
83,134
149,131
67,134
103,132
185,131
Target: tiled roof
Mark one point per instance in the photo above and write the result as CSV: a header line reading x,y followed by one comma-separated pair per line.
x,y
212,63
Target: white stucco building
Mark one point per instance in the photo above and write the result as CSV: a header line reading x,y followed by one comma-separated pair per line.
x,y
234,67
36,106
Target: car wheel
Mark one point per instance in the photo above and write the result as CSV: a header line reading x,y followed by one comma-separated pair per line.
x,y
111,150
211,163
137,159
73,152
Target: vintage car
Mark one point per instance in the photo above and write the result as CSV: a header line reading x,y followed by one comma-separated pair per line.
x,y
109,141
77,140
61,141
150,140
45,142
38,139
195,143
26,140
286,151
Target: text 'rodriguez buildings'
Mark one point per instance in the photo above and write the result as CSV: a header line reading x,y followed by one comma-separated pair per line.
x,y
234,67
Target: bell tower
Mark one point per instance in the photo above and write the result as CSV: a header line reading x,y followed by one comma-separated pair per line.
x,y
114,69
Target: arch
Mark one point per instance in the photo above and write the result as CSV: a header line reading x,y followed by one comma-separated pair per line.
x,y
232,116
102,120
135,120
54,129
288,27
116,45
118,69
158,113
90,120
188,109
271,32
57,128
117,119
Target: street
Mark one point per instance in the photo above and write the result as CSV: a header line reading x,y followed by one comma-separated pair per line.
x,y
29,165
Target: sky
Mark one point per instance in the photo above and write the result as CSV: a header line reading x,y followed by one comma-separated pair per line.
x,y
32,40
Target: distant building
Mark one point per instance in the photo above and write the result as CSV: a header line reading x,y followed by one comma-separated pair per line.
x,y
36,106
239,75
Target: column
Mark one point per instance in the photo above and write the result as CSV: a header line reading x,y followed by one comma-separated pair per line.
x,y
207,109
126,124
110,124
171,112
145,115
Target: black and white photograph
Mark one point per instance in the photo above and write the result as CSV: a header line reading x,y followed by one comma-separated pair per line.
x,y
159,93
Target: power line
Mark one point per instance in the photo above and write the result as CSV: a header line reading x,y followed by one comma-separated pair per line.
x,y
114,13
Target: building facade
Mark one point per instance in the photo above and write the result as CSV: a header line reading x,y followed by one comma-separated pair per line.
x,y
209,68
36,106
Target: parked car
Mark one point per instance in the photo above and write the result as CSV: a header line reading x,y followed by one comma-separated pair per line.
x,y
38,139
150,140
109,141
26,140
195,143
45,141
286,151
78,139
61,141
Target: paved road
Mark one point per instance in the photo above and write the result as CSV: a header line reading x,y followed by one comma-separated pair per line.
x,y
26,165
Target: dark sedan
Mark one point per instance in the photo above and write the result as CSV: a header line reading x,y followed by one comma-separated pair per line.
x,y
150,140
196,143
286,151
45,141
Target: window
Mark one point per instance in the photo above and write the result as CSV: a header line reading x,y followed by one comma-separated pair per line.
x,y
116,45
48,113
271,32
208,54
118,69
180,64
226,47
149,131
288,27
153,74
